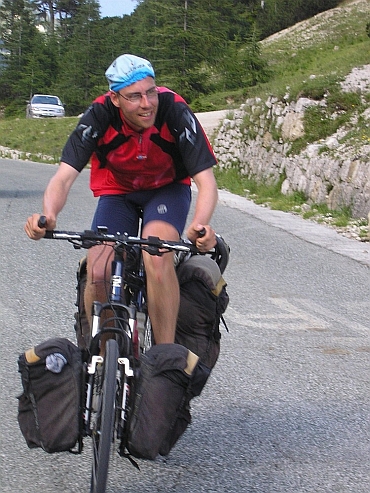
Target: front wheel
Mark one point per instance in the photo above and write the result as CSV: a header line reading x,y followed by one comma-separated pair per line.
x,y
103,421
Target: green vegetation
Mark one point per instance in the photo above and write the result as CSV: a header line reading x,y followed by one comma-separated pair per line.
x,y
311,62
319,122
270,195
43,139
339,218
64,48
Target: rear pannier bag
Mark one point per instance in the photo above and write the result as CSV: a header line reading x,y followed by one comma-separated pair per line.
x,y
49,409
171,376
203,300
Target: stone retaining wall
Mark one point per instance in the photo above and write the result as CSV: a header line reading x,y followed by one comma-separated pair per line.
x,y
259,135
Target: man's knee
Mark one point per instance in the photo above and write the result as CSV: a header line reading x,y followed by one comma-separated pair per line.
x,y
159,269
99,264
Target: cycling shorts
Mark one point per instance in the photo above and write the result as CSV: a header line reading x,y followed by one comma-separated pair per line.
x,y
122,213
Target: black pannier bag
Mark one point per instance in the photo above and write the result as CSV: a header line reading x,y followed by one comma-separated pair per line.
x,y
49,409
166,387
203,300
170,376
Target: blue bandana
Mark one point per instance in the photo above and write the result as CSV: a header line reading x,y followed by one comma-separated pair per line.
x,y
126,70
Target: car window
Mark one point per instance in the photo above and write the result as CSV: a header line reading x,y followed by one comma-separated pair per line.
x,y
45,100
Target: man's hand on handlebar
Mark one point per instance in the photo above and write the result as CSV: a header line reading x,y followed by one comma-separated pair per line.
x,y
36,227
203,237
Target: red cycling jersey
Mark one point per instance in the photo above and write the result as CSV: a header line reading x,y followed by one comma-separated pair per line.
x,y
123,160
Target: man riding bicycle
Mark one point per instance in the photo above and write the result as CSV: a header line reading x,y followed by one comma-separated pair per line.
x,y
145,145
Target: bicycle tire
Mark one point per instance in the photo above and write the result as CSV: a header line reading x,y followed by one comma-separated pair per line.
x,y
102,433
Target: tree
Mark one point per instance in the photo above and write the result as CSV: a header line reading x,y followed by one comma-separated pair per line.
x,y
27,59
81,76
46,13
182,37
242,65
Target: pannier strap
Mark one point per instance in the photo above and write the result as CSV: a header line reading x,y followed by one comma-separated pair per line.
x,y
221,283
31,356
192,361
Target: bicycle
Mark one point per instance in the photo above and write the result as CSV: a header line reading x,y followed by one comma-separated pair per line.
x,y
109,379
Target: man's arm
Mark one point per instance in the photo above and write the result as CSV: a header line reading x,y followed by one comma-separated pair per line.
x,y
204,208
55,197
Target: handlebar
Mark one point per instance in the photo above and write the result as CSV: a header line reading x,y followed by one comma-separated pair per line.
x,y
88,239
153,245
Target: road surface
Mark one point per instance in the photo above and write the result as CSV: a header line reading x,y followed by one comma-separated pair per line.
x,y
286,409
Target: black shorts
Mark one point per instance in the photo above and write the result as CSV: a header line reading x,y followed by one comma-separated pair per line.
x,y
122,213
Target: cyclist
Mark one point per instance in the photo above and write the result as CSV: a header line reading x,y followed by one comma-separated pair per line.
x,y
145,145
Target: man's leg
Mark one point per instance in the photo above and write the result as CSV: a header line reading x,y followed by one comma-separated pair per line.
x,y
99,260
162,285
117,214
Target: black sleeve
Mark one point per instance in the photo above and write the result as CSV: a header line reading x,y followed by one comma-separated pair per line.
x,y
84,139
194,146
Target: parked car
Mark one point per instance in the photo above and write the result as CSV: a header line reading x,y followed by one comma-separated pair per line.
x,y
44,105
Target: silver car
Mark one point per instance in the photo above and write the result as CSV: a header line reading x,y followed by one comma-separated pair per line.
x,y
44,105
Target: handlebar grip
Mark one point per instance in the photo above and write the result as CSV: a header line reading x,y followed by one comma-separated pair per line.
x,y
202,232
42,222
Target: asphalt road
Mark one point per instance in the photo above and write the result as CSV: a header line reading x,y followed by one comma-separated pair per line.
x,y
210,120
286,409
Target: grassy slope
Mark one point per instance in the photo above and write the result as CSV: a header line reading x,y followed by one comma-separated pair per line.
x,y
43,139
328,45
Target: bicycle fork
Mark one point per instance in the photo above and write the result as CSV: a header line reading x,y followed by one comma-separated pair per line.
x,y
124,368
124,374
93,387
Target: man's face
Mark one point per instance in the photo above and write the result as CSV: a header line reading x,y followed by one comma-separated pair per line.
x,y
138,103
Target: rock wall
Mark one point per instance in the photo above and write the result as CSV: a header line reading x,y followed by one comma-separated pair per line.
x,y
257,139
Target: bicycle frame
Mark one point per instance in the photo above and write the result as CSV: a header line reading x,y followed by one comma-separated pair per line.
x,y
126,301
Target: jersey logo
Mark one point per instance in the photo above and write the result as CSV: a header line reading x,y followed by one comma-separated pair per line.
x,y
190,134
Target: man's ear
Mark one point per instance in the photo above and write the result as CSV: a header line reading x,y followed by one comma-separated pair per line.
x,y
114,98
